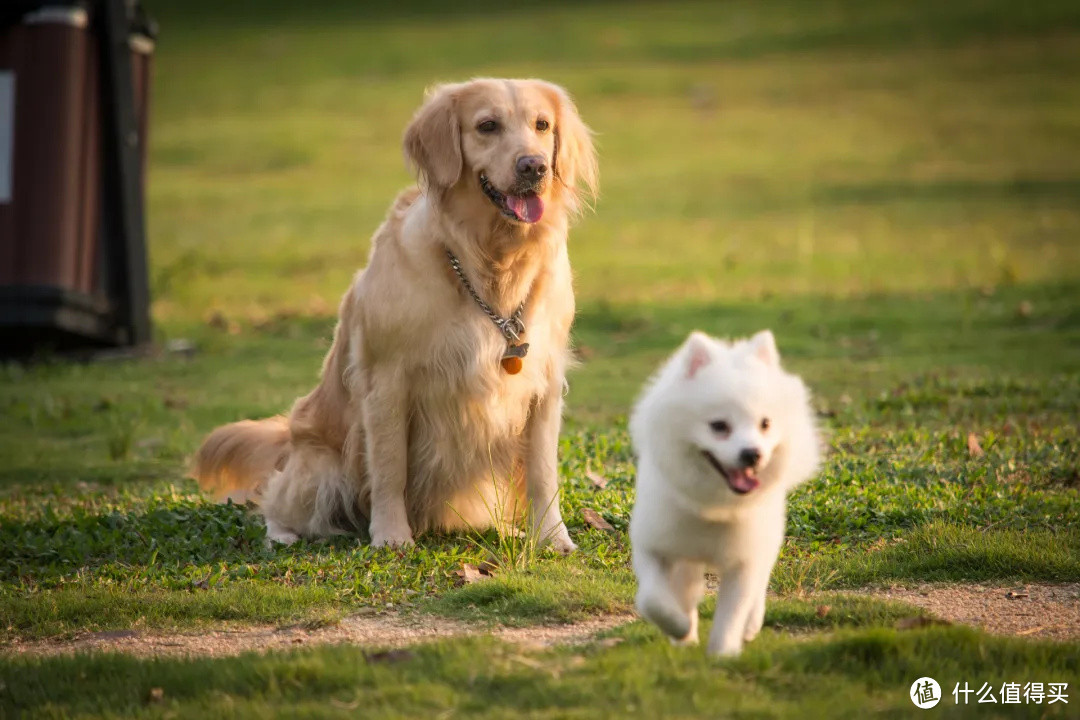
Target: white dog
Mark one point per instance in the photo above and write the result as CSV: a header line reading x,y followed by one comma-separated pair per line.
x,y
722,434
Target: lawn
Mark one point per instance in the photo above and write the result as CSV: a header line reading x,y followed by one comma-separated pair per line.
x,y
892,187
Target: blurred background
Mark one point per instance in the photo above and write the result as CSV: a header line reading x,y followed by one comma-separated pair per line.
x,y
750,150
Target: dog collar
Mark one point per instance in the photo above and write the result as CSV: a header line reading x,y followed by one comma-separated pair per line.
x,y
512,328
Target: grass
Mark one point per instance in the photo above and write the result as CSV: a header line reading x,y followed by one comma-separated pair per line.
x,y
837,673
889,186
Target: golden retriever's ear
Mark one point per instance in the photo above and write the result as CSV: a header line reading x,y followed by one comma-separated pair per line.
x,y
574,160
433,139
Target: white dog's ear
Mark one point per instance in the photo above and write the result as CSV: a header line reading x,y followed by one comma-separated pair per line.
x,y
574,159
697,352
763,345
433,139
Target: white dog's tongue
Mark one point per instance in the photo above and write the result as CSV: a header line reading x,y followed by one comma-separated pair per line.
x,y
527,208
741,481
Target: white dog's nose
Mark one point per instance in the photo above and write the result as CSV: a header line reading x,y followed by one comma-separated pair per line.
x,y
750,457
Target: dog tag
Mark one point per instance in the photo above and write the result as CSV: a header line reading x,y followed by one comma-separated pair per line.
x,y
512,358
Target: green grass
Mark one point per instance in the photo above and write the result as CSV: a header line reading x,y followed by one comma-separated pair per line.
x,y
890,186
837,673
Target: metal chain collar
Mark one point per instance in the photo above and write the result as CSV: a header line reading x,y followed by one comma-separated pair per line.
x,y
512,327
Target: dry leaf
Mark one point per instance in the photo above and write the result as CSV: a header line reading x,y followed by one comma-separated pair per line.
x,y
1015,595
469,573
593,519
599,481
974,448
156,695
823,610
1025,308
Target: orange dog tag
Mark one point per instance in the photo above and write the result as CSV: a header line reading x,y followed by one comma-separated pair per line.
x,y
511,365
511,360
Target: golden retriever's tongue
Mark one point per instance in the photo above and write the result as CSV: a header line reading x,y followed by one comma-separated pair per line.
x,y
741,481
527,208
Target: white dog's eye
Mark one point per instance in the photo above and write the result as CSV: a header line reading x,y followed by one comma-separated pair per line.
x,y
542,125
720,426
488,126
765,424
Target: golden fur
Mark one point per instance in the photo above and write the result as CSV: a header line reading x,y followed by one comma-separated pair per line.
x,y
413,415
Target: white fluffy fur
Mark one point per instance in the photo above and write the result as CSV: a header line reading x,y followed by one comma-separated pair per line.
x,y
687,518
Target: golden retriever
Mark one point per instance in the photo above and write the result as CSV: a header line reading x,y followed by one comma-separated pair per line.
x,y
423,417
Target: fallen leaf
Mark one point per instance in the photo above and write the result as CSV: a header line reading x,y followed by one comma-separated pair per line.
x,y
1025,308
469,573
974,448
1016,595
488,567
599,481
594,519
1031,630
156,695
389,656
823,610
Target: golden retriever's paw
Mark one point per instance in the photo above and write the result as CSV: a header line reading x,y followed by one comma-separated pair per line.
x,y
393,531
391,539
560,540
276,533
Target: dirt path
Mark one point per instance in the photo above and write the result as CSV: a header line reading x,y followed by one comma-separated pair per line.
x,y
1034,610
387,630
1038,611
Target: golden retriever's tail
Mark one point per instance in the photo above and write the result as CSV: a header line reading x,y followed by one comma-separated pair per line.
x,y
236,459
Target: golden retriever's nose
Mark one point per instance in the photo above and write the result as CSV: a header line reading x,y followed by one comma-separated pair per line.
x,y
531,168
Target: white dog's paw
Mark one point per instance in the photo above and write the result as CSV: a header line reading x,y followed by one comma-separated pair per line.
x,y
278,534
690,640
724,648
667,616
691,637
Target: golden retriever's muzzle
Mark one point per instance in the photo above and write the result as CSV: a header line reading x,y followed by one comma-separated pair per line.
x,y
522,201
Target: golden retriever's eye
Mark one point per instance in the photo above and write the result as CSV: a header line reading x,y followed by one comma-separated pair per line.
x,y
487,127
765,424
720,427
542,125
